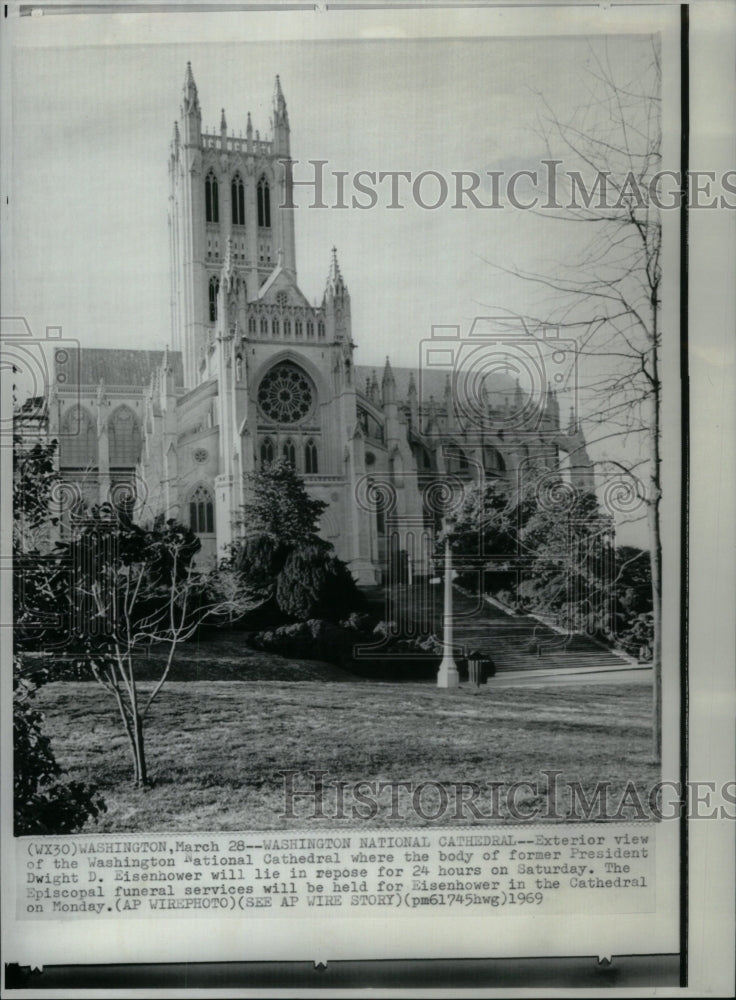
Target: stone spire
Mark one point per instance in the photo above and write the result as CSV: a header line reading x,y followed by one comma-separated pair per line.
x,y
280,121
223,130
191,116
449,403
249,128
190,99
336,286
553,408
280,114
572,424
412,399
388,384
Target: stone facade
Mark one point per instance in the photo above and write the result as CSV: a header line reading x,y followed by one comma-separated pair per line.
x,y
257,372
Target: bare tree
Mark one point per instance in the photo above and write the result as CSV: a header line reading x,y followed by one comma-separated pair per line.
x,y
604,158
124,591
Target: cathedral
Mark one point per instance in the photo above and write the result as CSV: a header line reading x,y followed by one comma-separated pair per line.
x,y
255,372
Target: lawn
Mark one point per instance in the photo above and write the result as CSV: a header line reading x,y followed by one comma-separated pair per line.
x,y
215,747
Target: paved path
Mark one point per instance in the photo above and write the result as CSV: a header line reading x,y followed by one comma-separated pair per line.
x,y
632,676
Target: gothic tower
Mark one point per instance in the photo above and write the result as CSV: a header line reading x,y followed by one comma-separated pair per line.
x,y
273,371
223,189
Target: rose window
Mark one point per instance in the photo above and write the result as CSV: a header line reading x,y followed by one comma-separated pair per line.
x,y
285,395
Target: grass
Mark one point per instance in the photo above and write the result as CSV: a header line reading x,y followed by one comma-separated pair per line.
x,y
215,747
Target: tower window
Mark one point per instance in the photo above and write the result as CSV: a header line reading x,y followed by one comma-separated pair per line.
x,y
310,329
275,327
201,511
252,324
264,203
237,199
287,327
266,451
214,289
321,330
298,328
310,457
264,326
289,452
211,201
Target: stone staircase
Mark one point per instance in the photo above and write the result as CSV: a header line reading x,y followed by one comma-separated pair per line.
x,y
513,642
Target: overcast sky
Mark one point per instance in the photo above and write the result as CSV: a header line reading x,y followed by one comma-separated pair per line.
x,y
90,141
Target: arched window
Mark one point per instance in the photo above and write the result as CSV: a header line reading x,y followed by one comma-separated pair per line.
x,y
125,439
457,460
202,511
289,452
264,326
310,329
252,324
493,460
275,327
214,289
298,328
78,440
238,368
264,203
423,457
211,201
266,451
237,200
320,330
310,457
287,327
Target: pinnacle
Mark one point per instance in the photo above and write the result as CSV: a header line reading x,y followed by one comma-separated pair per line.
x,y
191,100
189,77
335,281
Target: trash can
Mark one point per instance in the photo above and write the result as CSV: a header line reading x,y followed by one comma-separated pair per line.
x,y
475,671
480,668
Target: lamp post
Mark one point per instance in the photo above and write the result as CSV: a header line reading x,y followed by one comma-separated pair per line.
x,y
447,675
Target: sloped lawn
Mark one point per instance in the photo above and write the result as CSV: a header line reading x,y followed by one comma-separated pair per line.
x,y
215,747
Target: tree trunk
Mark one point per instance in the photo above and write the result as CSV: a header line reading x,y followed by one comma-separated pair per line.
x,y
655,554
655,561
141,771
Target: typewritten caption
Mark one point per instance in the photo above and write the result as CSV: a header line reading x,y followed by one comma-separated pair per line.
x,y
544,870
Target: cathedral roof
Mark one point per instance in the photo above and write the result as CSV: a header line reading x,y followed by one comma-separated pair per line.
x,y
118,366
432,383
